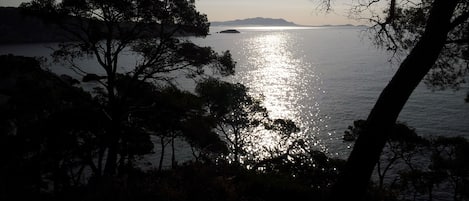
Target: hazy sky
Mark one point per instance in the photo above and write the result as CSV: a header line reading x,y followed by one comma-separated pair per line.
x,y
304,12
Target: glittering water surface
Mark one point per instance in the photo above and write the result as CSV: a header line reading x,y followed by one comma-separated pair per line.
x,y
291,69
288,84
325,78
322,78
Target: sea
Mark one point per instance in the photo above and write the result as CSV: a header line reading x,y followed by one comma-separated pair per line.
x,y
322,78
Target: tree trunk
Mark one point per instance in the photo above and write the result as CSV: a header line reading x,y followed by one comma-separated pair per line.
x,y
173,154
163,146
111,160
113,137
114,129
354,180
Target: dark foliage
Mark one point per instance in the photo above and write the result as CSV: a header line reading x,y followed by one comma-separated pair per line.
x,y
45,129
106,30
18,28
52,146
416,168
427,31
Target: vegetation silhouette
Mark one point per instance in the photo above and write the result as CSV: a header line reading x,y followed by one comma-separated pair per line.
x,y
49,146
70,144
108,29
85,145
238,113
52,146
45,130
416,168
433,36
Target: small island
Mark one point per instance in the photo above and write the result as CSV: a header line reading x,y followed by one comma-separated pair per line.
x,y
230,31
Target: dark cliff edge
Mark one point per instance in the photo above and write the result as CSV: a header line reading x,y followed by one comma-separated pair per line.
x,y
18,28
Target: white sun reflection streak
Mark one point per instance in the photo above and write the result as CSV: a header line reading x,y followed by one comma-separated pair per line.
x,y
276,71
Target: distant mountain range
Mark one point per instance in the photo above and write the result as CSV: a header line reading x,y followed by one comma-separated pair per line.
x,y
258,21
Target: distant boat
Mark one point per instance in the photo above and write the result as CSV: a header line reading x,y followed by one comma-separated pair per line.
x,y
230,31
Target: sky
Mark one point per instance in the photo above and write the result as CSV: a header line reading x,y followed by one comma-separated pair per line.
x,y
303,12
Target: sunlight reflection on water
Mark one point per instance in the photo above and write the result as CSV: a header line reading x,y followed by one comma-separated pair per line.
x,y
287,84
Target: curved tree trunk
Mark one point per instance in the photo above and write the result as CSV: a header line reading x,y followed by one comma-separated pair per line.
x,y
173,153
113,137
113,132
163,147
354,180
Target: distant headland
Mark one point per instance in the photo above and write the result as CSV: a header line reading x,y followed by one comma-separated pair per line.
x,y
258,21
261,21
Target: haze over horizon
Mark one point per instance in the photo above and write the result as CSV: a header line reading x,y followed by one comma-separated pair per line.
x,y
301,12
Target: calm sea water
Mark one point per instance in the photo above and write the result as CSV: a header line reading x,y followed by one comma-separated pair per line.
x,y
322,78
325,78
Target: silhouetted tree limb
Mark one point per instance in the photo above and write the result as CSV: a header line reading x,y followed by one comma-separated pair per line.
x,y
107,29
428,53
